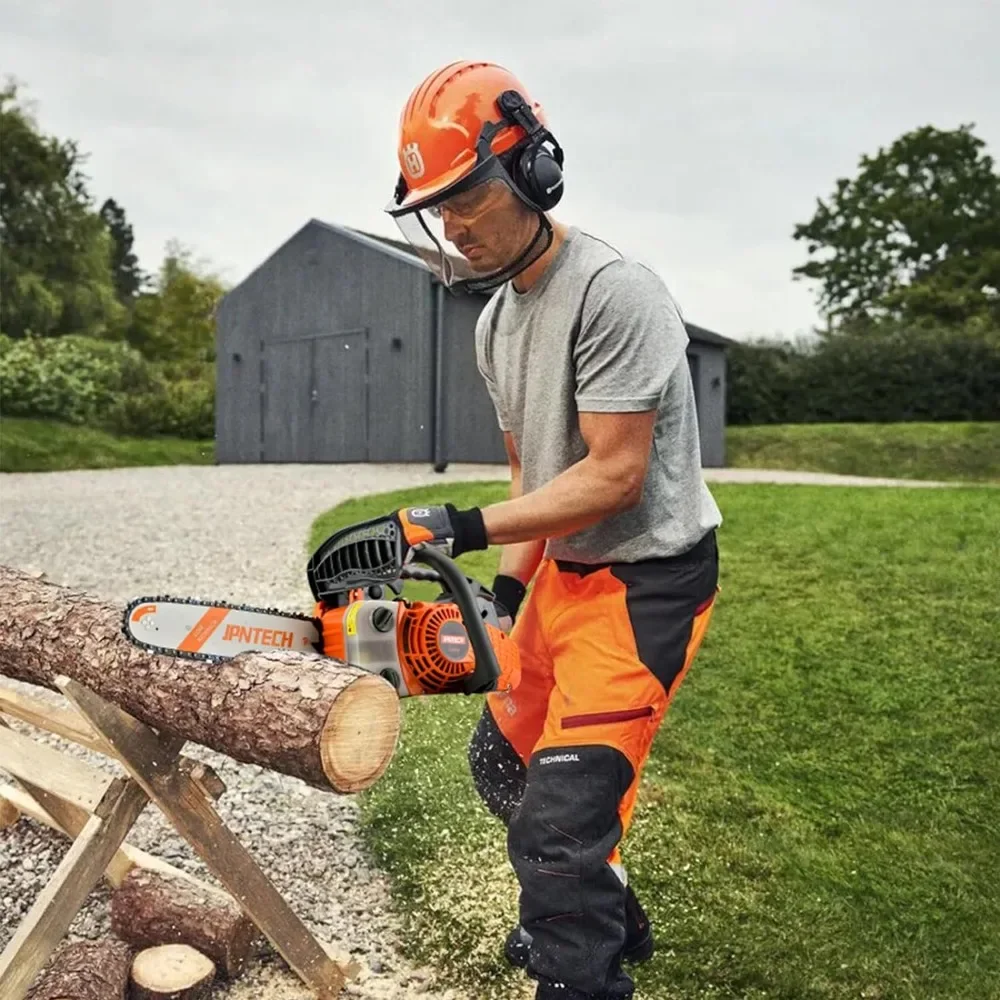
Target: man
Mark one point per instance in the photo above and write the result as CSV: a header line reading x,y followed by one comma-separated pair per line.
x,y
609,520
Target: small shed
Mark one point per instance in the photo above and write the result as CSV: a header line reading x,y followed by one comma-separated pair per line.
x,y
342,347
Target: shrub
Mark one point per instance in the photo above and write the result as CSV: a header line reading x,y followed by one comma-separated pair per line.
x,y
80,380
183,409
74,379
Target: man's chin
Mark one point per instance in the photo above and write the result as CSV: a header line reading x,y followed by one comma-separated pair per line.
x,y
481,263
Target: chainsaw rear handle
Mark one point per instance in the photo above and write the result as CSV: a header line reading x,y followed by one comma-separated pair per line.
x,y
487,672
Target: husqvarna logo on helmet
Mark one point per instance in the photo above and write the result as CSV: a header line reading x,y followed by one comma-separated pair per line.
x,y
414,161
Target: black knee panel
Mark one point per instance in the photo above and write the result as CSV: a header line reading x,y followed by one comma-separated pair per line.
x,y
498,773
559,840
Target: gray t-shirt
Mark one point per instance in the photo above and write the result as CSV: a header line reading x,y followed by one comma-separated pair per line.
x,y
599,332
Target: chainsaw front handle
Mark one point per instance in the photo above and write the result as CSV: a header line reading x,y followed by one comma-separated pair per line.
x,y
484,678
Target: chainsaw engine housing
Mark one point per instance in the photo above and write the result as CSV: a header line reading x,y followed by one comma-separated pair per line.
x,y
420,647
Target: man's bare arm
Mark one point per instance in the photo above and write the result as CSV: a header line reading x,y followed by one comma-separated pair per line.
x,y
608,480
518,559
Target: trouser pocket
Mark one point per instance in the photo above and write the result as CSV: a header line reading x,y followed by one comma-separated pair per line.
x,y
607,718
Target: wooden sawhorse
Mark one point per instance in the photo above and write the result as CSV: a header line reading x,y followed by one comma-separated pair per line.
x,y
97,811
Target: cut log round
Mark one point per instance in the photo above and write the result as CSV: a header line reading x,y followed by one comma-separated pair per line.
x,y
85,970
150,909
333,725
171,972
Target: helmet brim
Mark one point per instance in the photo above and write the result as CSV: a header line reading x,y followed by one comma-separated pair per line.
x,y
429,194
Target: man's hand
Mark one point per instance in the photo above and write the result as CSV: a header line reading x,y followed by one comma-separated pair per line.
x,y
509,592
445,527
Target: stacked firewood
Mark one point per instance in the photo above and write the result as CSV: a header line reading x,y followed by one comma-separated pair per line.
x,y
171,939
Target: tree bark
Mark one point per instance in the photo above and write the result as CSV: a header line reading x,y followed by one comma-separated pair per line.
x,y
171,972
332,725
85,970
150,909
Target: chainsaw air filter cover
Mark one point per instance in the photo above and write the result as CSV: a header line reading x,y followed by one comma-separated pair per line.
x,y
364,554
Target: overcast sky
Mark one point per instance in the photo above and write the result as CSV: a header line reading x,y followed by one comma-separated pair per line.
x,y
697,135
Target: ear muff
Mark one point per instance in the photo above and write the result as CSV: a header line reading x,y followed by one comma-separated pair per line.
x,y
537,171
540,177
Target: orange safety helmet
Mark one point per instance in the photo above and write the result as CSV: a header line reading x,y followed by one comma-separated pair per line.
x,y
464,124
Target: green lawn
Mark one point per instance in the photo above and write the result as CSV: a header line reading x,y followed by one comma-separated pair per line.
x,y
957,451
47,446
820,817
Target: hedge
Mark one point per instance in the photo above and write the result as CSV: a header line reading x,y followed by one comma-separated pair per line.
x,y
883,376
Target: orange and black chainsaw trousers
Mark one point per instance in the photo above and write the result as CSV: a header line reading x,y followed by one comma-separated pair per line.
x,y
558,760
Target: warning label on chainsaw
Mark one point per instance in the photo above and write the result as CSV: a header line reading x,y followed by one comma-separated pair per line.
x,y
351,618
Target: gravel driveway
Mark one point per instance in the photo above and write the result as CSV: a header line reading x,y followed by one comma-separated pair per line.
x,y
234,533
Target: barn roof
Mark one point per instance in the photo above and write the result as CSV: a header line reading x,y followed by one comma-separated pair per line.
x,y
703,336
402,250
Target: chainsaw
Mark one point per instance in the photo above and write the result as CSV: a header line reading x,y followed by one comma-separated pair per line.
x,y
456,643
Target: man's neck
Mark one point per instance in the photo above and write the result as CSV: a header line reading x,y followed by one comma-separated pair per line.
x,y
526,279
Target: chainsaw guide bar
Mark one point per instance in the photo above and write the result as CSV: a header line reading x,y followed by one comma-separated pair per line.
x,y
215,631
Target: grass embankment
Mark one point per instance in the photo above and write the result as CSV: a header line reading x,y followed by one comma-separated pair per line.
x,y
47,446
819,816
952,452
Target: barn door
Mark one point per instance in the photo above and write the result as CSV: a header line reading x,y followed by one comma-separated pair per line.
x,y
286,373
340,398
314,405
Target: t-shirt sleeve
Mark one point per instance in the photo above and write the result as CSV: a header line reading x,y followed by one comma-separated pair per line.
x,y
486,370
631,339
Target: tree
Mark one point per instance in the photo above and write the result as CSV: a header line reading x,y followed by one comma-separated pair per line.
x,y
175,321
56,275
128,277
915,235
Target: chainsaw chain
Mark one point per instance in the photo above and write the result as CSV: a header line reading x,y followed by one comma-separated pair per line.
x,y
203,657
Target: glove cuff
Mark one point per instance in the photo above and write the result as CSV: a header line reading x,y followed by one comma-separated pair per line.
x,y
470,529
509,591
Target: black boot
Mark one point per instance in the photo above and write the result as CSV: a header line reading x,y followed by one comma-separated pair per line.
x,y
639,944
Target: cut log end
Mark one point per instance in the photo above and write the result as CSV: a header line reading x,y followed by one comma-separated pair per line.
x,y
359,736
171,972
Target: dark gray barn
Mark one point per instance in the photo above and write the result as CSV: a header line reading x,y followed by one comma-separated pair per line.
x,y
341,347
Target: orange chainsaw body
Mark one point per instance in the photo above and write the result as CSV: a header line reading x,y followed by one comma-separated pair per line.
x,y
420,647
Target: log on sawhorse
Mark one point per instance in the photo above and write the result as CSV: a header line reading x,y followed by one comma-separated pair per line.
x,y
97,811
